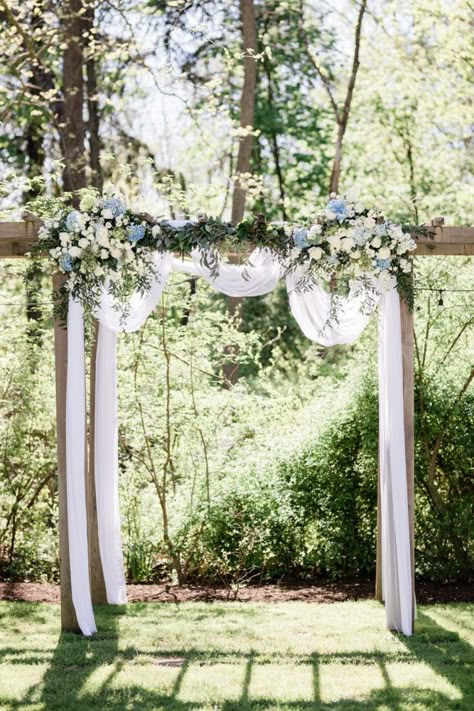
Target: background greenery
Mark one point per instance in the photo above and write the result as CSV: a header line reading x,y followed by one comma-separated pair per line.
x,y
276,476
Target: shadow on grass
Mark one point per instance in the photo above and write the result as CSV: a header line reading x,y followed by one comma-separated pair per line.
x,y
98,673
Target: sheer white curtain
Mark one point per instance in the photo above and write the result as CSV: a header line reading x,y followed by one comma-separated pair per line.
x,y
310,307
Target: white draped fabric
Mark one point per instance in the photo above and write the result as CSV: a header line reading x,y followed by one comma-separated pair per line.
x,y
310,307
75,470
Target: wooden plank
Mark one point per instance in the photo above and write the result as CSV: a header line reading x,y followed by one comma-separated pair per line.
x,y
407,329
68,615
98,591
16,239
378,560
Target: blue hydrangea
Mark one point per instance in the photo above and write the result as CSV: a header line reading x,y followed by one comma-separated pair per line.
x,y
74,221
359,236
339,207
382,263
299,237
65,262
381,230
135,233
333,259
115,205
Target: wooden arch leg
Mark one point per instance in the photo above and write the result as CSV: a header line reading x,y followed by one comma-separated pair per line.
x,y
68,615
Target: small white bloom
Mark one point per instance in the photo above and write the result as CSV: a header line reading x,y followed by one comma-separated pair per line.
x,y
384,253
355,254
115,252
107,214
295,253
156,231
369,222
314,230
358,207
98,271
114,276
64,238
75,252
347,244
330,214
376,242
104,253
83,243
315,252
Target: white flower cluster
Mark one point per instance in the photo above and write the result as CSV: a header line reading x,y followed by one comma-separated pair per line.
x,y
102,242
353,239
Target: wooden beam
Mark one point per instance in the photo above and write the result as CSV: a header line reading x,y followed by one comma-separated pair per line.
x,y
17,238
68,615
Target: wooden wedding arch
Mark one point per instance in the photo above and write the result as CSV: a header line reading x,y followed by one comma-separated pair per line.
x,y
16,240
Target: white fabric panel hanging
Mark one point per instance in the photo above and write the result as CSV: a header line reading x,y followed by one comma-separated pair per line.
x,y
106,468
311,306
397,583
259,275
140,305
75,470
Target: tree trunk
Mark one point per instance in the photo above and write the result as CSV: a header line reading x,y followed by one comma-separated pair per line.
x,y
73,130
247,104
95,143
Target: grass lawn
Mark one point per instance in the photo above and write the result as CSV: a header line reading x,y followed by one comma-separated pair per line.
x,y
237,656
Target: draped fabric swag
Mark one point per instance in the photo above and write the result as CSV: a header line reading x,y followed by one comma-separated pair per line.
x,y
310,307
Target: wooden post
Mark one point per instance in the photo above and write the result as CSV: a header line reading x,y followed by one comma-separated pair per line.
x,y
68,615
378,560
407,325
98,592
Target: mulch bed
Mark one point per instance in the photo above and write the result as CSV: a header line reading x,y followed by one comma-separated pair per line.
x,y
426,593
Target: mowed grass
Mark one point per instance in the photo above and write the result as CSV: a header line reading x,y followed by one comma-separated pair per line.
x,y
228,656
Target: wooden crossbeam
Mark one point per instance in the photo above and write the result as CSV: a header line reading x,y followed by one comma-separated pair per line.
x,y
17,238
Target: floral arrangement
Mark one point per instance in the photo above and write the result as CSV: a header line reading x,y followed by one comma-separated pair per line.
x,y
104,242
351,240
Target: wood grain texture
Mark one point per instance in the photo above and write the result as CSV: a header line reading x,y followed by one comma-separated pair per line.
x,y
68,615
98,592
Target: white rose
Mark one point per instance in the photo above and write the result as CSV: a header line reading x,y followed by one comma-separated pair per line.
x,y
83,242
334,241
384,253
369,222
107,214
104,254
115,252
315,230
358,207
64,238
330,214
355,254
315,252
98,271
346,244
75,252
376,242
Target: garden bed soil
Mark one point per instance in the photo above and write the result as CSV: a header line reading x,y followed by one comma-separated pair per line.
x,y
327,592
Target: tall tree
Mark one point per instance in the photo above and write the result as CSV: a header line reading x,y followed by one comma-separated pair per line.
x,y
73,126
341,114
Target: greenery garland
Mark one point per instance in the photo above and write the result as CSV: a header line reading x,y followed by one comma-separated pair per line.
x,y
104,243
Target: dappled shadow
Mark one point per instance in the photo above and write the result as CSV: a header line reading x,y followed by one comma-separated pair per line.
x,y
99,672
